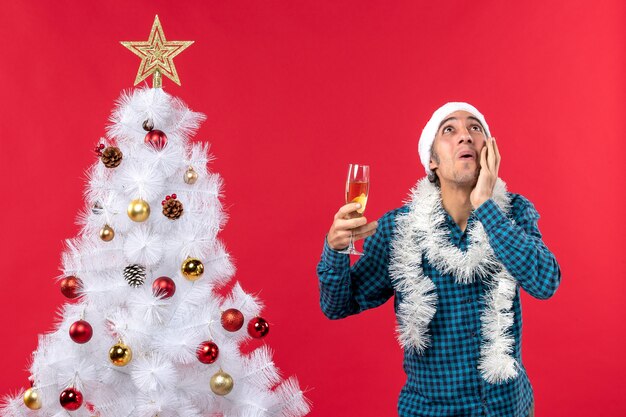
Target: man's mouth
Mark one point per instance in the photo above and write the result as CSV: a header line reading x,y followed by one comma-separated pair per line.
x,y
467,155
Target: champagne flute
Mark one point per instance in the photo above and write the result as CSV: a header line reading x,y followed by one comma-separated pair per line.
x,y
357,190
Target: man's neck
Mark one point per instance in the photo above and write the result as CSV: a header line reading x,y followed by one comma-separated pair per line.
x,y
456,201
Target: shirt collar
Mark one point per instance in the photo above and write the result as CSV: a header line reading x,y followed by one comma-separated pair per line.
x,y
455,231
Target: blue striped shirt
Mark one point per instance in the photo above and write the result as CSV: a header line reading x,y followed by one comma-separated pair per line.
x,y
444,380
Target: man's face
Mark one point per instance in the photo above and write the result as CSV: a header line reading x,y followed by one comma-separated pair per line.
x,y
456,150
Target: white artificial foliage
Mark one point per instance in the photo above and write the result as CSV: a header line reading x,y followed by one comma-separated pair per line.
x,y
150,404
104,290
291,401
81,412
113,399
143,246
195,383
147,308
221,266
179,344
199,157
164,376
13,406
80,374
140,180
167,160
86,255
191,239
252,403
260,370
151,372
99,183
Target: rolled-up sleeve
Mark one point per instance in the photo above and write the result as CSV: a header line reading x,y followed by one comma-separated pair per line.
x,y
518,244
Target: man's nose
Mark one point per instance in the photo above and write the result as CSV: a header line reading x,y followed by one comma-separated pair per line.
x,y
465,136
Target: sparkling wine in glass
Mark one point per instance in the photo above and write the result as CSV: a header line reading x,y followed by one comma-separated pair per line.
x,y
357,190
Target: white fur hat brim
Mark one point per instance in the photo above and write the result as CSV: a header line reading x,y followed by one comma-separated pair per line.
x,y
430,130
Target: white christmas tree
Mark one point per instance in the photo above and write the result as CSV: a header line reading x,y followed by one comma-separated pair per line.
x,y
146,333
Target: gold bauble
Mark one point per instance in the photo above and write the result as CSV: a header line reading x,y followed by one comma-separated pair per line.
x,y
138,210
221,383
192,269
106,233
120,354
191,176
32,399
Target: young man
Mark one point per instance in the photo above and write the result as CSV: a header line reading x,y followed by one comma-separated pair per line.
x,y
455,257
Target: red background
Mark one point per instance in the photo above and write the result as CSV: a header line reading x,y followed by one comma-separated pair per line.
x,y
295,91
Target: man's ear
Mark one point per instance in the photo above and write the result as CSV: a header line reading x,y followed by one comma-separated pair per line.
x,y
433,165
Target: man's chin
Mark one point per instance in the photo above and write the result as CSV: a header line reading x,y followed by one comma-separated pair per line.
x,y
466,180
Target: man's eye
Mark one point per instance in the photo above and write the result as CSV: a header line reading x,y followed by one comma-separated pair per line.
x,y
477,128
447,129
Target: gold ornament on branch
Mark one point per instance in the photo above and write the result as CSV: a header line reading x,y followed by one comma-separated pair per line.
x,y
192,269
157,55
106,233
120,354
138,210
191,176
221,383
32,399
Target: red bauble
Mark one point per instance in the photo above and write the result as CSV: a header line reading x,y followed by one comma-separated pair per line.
x,y
207,352
81,331
70,286
156,139
71,399
163,287
258,327
232,319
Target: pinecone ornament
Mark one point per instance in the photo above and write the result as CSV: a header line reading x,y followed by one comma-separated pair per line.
x,y
111,157
135,275
172,208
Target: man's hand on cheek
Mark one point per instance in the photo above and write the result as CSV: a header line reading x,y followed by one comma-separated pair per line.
x,y
489,166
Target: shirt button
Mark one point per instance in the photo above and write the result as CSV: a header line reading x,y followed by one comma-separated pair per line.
x,y
473,334
468,300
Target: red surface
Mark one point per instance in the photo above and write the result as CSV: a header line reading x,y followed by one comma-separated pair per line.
x,y
295,91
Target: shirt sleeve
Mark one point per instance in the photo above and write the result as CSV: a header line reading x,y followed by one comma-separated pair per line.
x,y
346,290
519,246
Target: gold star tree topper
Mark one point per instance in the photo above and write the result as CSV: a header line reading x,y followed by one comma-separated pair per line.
x,y
157,55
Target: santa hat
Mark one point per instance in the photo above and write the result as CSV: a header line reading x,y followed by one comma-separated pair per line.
x,y
430,130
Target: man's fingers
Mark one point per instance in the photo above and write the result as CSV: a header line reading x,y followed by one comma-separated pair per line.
x,y
343,235
347,209
497,152
339,238
365,228
365,231
491,155
483,158
343,224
